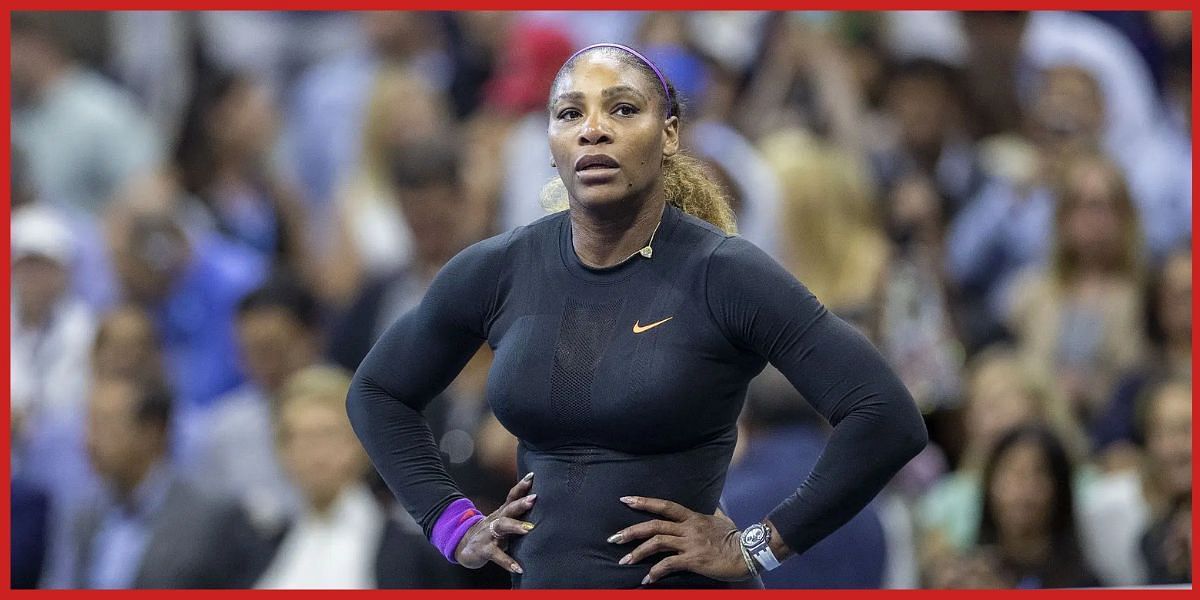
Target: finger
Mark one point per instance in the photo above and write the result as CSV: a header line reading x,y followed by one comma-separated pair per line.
x,y
663,568
510,526
646,529
666,508
500,557
523,486
518,507
652,546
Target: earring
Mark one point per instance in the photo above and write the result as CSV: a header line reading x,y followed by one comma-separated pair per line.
x,y
552,165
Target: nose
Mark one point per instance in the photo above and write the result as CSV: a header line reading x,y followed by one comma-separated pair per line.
x,y
594,131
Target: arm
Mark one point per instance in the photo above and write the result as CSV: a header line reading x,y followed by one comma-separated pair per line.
x,y
877,427
414,360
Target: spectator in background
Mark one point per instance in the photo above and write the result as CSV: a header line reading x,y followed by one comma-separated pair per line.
x,y
923,104
427,176
224,157
509,133
1028,515
707,89
1000,396
780,439
189,280
278,333
83,136
373,237
1167,543
55,458
52,327
326,107
804,81
342,537
1008,227
914,323
1078,322
832,239
1132,516
444,217
149,529
1168,323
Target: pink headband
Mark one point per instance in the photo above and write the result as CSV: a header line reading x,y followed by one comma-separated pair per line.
x,y
661,79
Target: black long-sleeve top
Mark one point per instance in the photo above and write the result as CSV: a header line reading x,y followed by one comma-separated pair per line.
x,y
628,381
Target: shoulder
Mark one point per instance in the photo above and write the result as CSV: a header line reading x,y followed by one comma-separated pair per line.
x,y
733,256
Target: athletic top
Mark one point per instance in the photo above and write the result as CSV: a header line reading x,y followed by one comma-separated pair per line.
x,y
628,381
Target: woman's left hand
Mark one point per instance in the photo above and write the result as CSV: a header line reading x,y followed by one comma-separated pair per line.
x,y
704,544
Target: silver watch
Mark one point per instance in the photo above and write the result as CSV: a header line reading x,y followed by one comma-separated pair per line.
x,y
756,539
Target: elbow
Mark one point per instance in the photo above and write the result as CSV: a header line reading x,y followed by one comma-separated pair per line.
x,y
917,438
354,399
915,435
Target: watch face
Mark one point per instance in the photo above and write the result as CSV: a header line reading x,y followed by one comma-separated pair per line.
x,y
753,535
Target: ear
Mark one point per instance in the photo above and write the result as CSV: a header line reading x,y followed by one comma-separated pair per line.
x,y
670,136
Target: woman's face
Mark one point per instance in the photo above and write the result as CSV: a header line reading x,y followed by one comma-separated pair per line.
x,y
1175,298
1169,437
607,133
246,120
1092,228
1022,491
997,403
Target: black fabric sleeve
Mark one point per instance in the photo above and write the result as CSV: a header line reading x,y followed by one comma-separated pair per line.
x,y
410,364
877,428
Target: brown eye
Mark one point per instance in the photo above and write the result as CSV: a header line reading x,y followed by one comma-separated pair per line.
x,y
569,113
625,110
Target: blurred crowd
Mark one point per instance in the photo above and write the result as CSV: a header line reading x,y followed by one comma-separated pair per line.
x,y
214,215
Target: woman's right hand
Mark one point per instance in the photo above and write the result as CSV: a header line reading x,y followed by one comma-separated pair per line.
x,y
487,540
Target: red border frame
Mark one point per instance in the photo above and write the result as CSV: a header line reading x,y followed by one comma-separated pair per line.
x,y
5,207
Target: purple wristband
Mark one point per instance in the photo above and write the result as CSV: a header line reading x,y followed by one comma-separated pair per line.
x,y
452,525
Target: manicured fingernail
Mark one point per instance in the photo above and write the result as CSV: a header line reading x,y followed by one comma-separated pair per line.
x,y
517,568
531,497
615,538
527,526
627,499
625,559
645,580
527,476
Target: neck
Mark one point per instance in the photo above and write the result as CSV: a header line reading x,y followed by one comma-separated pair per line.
x,y
1026,548
35,316
321,505
127,485
603,239
51,72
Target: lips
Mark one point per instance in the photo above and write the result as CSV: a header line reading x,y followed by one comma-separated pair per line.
x,y
595,161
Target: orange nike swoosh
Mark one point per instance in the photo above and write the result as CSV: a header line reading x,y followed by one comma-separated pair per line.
x,y
637,328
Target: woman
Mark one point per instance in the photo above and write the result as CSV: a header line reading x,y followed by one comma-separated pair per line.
x,y
1028,523
1078,322
223,158
625,331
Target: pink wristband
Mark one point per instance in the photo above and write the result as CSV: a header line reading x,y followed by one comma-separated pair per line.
x,y
452,525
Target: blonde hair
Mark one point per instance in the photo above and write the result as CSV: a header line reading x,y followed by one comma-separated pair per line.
x,y
318,385
1001,364
831,236
1128,259
393,86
